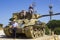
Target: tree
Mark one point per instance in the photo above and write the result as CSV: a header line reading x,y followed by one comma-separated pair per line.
x,y
1,25
46,30
57,30
53,24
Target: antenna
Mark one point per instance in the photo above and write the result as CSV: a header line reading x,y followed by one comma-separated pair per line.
x,y
34,4
50,11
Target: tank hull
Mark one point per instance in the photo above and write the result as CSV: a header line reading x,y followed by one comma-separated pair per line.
x,y
28,32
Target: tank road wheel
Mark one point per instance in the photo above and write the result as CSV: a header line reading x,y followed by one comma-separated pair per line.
x,y
7,32
39,33
29,32
34,33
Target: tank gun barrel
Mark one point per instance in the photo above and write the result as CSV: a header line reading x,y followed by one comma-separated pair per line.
x,y
50,15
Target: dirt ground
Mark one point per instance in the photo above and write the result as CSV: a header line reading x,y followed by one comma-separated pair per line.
x,y
3,37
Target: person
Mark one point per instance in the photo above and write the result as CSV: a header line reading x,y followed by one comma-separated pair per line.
x,y
14,27
31,9
14,24
23,14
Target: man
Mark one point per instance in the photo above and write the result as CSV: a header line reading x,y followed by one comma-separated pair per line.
x,y
31,9
23,14
14,27
14,24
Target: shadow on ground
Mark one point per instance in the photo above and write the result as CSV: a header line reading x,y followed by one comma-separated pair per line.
x,y
22,37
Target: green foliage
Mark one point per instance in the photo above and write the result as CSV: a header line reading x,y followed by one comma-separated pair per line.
x,y
57,30
46,30
1,25
53,24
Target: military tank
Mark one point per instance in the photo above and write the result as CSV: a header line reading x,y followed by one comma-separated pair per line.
x,y
28,24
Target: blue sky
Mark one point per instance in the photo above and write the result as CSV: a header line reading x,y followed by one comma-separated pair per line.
x,y
8,7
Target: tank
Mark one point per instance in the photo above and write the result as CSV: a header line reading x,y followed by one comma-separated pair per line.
x,y
28,25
